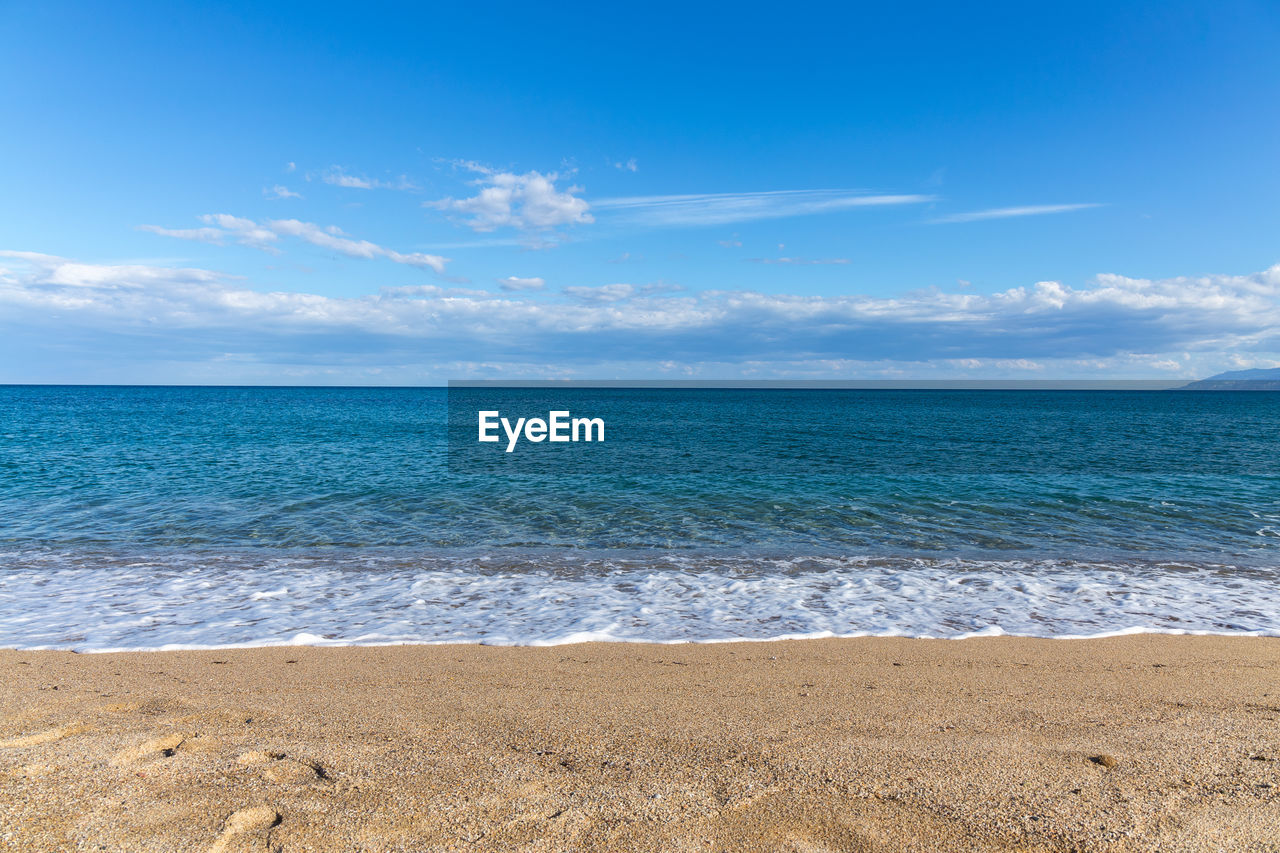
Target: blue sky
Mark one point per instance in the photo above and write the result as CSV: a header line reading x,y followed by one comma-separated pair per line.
x,y
405,194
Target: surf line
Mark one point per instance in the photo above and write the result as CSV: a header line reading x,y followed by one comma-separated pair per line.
x,y
557,426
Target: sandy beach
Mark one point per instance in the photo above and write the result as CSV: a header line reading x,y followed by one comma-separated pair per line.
x,y
1128,743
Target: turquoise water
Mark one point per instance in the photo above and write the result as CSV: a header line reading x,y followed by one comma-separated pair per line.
x,y
142,517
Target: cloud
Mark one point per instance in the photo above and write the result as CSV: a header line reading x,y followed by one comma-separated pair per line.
x,y
514,283
1008,212
280,191
136,314
532,202
799,261
528,202
290,166
224,228
603,293
414,291
732,243
56,280
333,238
727,208
628,166
485,243
243,231
263,235
203,235
660,287
339,177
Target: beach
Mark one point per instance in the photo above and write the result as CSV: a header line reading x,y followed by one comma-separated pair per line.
x,y
1139,742
840,428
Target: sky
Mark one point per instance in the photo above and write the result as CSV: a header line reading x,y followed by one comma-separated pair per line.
x,y
236,193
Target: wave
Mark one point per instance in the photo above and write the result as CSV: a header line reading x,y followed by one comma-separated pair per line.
x,y
101,600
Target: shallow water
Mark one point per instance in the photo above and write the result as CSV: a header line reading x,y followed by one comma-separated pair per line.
x,y
147,517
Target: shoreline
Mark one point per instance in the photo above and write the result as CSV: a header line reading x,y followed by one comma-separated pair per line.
x,y
310,641
189,605
1136,742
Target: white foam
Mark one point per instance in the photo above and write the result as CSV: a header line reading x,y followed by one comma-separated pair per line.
x,y
100,603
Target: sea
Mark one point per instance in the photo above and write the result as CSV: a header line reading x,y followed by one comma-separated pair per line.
x,y
205,517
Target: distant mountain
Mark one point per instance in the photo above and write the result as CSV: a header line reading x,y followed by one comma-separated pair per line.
x,y
1257,379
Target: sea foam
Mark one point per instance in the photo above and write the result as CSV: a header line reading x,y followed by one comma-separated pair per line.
x,y
101,601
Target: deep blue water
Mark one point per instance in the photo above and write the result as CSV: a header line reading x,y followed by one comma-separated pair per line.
x,y
831,511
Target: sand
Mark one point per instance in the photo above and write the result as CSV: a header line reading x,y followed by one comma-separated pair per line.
x,y
1128,743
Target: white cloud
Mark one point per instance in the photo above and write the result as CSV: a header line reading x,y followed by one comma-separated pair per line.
x,y
532,202
1008,212
727,208
603,293
333,238
223,228
339,177
279,191
418,291
629,165
330,237
203,235
660,287
1187,326
514,283
485,243
61,283
799,261
290,166
529,202
262,235
241,230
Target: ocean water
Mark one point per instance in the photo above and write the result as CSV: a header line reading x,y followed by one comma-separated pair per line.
x,y
136,518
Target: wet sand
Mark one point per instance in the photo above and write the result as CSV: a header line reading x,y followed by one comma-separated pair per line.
x,y
1129,743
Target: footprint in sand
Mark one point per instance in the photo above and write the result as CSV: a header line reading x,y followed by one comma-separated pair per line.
x,y
277,767
121,707
46,736
160,747
247,830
